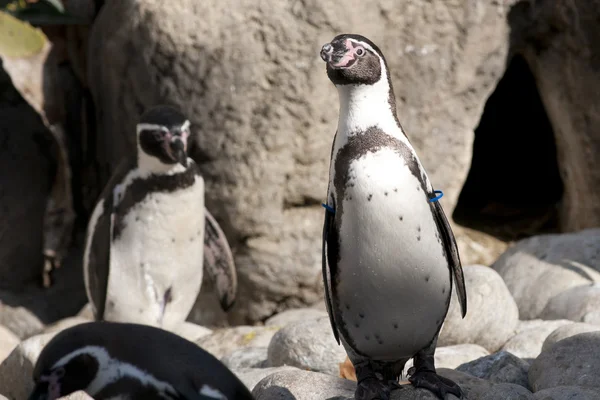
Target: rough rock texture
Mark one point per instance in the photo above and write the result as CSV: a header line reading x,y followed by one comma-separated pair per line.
x,y
224,341
528,342
20,321
567,393
574,304
308,345
77,396
553,262
251,376
573,361
246,357
8,341
26,173
492,313
302,385
191,332
454,356
507,391
17,369
298,314
566,331
264,113
501,367
559,40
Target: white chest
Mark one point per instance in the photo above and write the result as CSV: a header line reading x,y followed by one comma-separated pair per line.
x,y
156,262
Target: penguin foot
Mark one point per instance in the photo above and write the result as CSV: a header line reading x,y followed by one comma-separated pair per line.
x,y
372,389
435,383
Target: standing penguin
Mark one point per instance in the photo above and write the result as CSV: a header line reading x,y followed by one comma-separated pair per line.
x,y
111,360
388,251
150,234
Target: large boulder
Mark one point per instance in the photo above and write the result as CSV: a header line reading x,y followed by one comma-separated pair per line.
x,y
263,112
26,173
540,267
492,315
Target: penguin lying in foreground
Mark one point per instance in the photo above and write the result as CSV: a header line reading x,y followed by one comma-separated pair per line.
x,y
110,360
389,254
150,237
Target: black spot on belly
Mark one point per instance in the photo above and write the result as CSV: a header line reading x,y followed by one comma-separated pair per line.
x,y
367,337
386,193
361,315
356,325
347,306
427,278
378,339
192,239
401,218
419,228
395,189
369,197
141,310
395,326
419,238
168,296
137,218
444,290
173,240
438,321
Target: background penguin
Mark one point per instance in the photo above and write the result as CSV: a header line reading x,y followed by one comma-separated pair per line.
x,y
111,360
150,235
388,251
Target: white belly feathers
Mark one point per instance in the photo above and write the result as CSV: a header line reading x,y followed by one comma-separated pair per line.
x,y
156,262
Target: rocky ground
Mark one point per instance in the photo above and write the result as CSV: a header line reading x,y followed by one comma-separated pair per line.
x,y
552,355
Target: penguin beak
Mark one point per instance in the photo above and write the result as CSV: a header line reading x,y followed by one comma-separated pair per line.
x,y
40,392
338,54
178,151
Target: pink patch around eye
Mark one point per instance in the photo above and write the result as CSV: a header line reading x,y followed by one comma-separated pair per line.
x,y
53,385
350,54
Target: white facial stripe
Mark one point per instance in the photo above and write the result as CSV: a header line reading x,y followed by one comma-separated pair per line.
x,y
150,127
185,126
210,391
363,44
111,370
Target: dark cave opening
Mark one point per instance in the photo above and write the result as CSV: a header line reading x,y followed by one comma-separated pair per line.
x,y
514,186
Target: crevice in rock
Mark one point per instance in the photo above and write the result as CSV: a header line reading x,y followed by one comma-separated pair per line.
x,y
513,187
304,201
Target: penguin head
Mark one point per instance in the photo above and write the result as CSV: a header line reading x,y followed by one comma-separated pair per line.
x,y
163,133
353,60
61,373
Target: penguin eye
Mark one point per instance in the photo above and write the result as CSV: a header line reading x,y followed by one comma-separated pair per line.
x,y
360,52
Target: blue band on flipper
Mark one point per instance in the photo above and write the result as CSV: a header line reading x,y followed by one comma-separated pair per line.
x,y
439,193
328,208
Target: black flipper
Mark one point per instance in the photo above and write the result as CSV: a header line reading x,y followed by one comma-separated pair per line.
x,y
218,262
96,269
330,244
451,249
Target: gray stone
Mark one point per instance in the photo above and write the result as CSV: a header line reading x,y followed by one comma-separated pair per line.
x,y
573,361
65,323
77,396
492,313
16,371
574,303
528,342
245,97
501,367
191,332
567,393
292,315
552,262
8,341
20,320
26,162
308,345
251,376
226,340
507,391
453,356
246,357
566,331
302,385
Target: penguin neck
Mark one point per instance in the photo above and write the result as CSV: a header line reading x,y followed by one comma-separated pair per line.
x,y
366,106
149,165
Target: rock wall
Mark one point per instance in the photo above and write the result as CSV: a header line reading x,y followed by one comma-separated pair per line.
x,y
560,41
26,176
249,76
